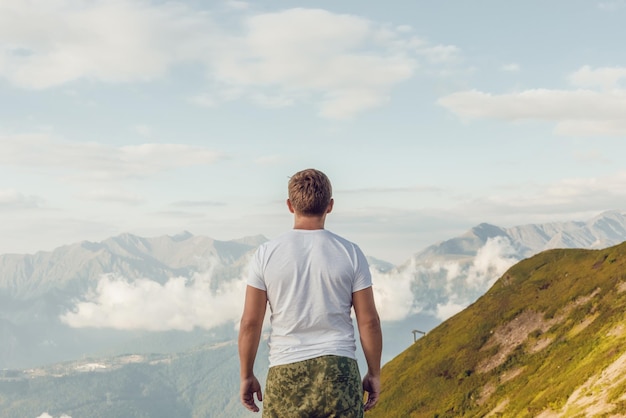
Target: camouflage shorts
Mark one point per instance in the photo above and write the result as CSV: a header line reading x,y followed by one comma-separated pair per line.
x,y
327,386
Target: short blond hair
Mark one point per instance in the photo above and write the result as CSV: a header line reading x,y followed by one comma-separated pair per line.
x,y
310,192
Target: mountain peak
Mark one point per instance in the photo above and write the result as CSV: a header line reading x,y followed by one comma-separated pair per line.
x,y
485,231
181,236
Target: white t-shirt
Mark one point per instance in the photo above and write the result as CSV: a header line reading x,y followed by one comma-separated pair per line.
x,y
309,277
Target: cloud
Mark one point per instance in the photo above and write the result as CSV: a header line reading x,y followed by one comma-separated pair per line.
x,y
179,304
441,287
566,197
393,295
341,64
98,161
11,199
466,281
47,415
605,77
56,42
490,262
576,112
449,309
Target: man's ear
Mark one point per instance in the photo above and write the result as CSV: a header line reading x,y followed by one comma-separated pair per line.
x,y
330,206
290,206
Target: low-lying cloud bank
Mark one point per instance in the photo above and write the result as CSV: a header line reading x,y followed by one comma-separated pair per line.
x,y
439,288
442,288
179,304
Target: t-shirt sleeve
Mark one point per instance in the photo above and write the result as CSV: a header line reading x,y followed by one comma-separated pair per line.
x,y
362,276
255,271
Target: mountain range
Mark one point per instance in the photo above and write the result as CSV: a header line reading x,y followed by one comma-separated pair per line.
x,y
173,295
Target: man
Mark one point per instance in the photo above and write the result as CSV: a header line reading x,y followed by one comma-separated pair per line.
x,y
312,279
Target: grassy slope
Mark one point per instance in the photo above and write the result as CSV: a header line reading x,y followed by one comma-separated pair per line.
x,y
550,324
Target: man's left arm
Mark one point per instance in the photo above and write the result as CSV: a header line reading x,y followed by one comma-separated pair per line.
x,y
249,337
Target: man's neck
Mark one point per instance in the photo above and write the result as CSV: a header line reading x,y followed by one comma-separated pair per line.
x,y
309,222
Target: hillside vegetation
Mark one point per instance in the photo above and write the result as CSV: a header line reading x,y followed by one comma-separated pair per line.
x,y
547,340
198,383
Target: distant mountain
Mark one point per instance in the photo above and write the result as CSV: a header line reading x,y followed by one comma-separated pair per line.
x,y
604,230
447,276
73,267
36,290
547,340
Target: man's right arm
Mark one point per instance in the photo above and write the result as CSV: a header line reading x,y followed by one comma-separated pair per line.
x,y
371,341
250,330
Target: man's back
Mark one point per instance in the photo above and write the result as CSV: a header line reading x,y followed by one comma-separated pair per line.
x,y
310,276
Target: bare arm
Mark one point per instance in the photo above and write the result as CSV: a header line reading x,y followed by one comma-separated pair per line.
x,y
371,341
249,336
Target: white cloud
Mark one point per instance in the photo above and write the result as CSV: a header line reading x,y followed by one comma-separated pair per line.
x,y
343,64
47,415
55,42
467,280
490,262
98,161
605,77
337,61
616,127
12,199
441,288
577,112
449,309
179,304
565,198
393,294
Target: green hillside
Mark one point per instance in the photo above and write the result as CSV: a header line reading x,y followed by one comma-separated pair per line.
x,y
547,340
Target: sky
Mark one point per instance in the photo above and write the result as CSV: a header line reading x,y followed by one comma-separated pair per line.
x,y
155,117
